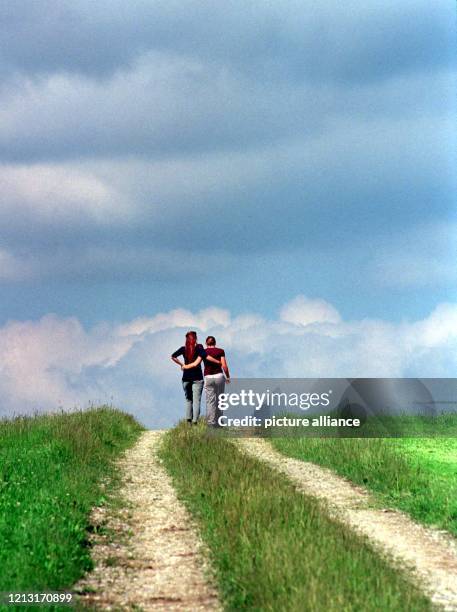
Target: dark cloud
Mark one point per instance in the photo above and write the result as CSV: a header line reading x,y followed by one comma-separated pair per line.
x,y
171,108
139,137
352,178
110,79
292,40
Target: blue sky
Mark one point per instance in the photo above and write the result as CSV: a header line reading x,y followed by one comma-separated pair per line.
x,y
194,155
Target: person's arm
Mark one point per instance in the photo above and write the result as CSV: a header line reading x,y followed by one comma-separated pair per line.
x,y
194,363
209,358
175,356
225,368
198,361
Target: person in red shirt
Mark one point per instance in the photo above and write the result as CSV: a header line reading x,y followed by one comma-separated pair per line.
x,y
215,378
216,375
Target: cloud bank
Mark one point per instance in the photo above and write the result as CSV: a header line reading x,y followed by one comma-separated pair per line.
x,y
130,128
56,362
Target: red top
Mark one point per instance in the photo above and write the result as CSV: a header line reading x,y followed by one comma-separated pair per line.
x,y
210,367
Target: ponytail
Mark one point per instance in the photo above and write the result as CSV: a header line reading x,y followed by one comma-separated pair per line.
x,y
191,343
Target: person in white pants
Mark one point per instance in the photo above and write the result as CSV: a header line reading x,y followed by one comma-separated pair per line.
x,y
215,378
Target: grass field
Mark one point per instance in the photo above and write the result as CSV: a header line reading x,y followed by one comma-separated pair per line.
x,y
50,473
273,548
417,475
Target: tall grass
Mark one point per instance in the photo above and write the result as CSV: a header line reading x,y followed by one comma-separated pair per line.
x,y
272,547
416,475
50,472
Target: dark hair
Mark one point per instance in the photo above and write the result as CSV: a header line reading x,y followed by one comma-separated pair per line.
x,y
191,343
211,340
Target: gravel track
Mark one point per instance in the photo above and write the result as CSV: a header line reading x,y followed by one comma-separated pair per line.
x,y
151,557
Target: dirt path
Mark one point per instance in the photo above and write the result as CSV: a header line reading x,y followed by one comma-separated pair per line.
x,y
156,560
431,554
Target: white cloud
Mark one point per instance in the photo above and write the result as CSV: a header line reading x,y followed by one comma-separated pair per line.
x,y
56,362
439,328
204,320
303,311
53,193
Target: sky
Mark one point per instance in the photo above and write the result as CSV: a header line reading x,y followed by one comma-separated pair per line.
x,y
280,174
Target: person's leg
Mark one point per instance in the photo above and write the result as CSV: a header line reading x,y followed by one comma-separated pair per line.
x,y
187,386
211,400
197,390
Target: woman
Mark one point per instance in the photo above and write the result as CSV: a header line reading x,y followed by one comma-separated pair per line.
x,y
192,379
214,377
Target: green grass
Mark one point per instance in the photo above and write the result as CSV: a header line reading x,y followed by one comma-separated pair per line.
x,y
50,472
417,475
274,548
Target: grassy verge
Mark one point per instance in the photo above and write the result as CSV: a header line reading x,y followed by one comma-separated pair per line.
x,y
50,472
417,475
273,548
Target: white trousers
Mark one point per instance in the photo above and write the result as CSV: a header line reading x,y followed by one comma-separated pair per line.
x,y
214,386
